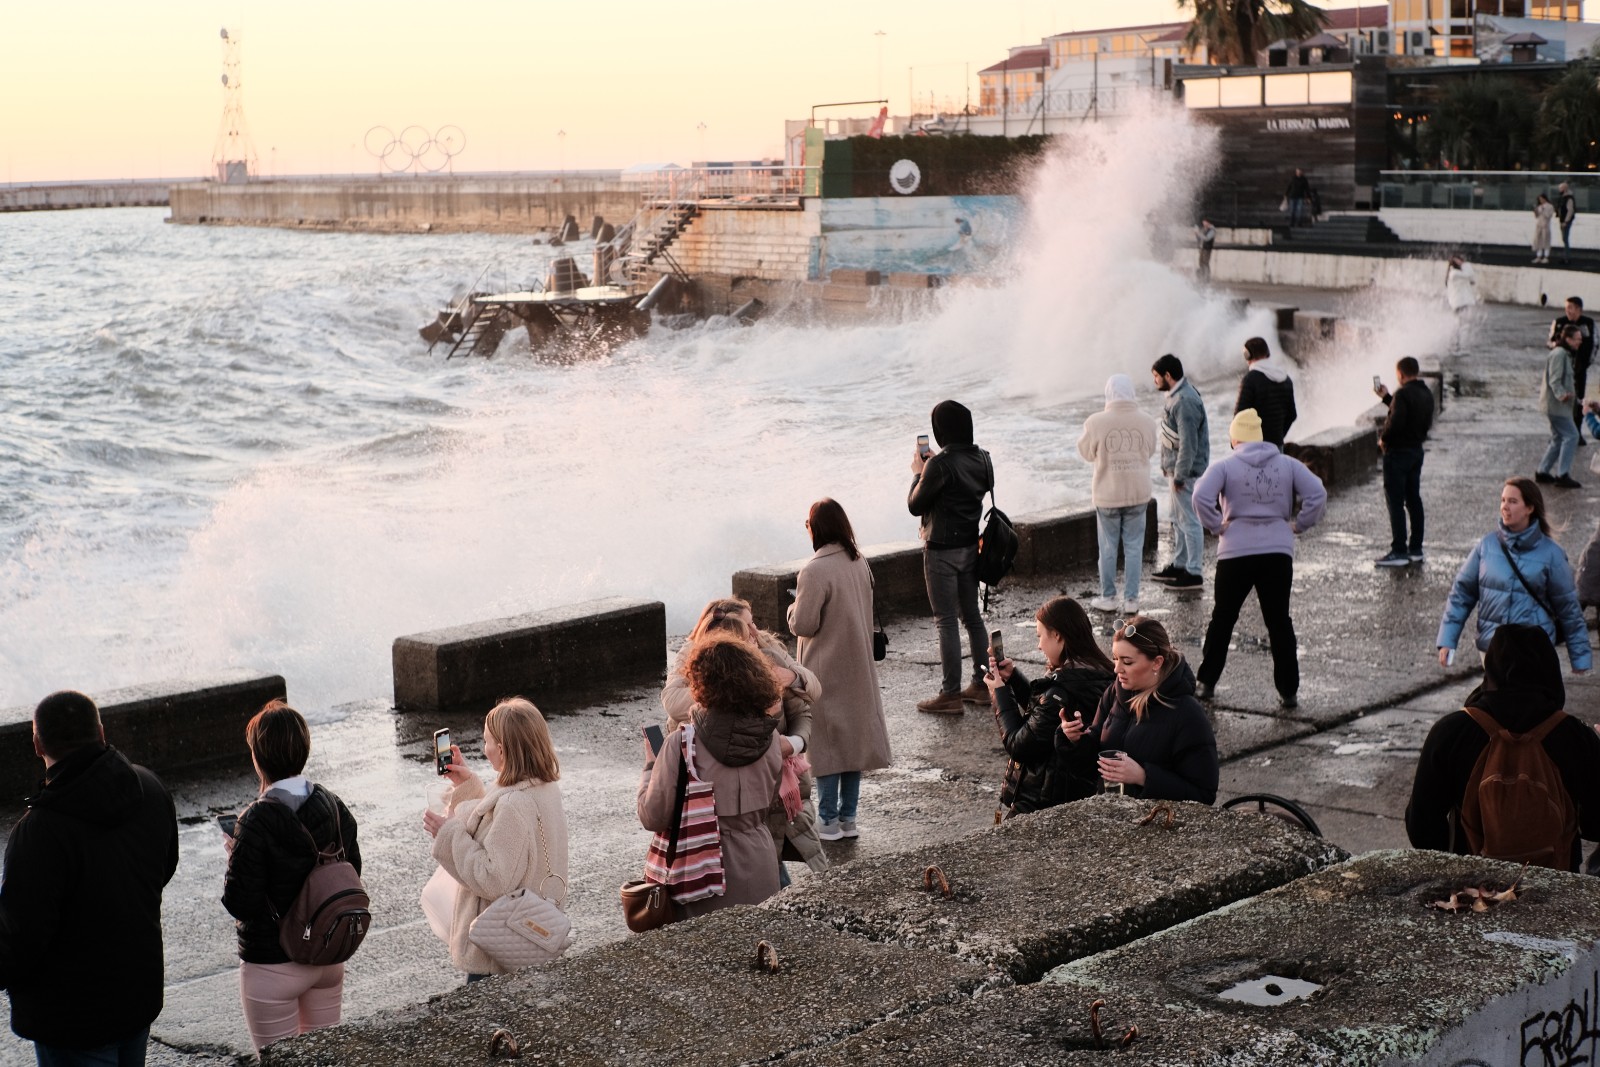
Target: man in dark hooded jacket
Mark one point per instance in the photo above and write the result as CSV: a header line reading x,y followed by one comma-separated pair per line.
x,y
1521,689
947,493
1267,388
80,906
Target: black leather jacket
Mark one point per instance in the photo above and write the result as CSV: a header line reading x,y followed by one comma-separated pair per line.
x,y
948,495
1045,768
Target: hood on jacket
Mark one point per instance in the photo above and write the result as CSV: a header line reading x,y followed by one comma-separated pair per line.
x,y
735,739
1522,540
1176,686
952,424
95,784
1272,368
1521,678
1257,453
1118,387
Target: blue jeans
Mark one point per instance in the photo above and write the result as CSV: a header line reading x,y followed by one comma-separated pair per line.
x,y
128,1052
1299,211
837,795
1563,446
952,578
1124,526
1188,540
1402,490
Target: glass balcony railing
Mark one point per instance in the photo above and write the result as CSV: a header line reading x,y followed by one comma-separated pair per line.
x,y
1484,190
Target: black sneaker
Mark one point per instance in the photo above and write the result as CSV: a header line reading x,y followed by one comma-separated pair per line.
x,y
1287,701
1542,478
1393,559
1167,573
1187,580
1202,691
1566,481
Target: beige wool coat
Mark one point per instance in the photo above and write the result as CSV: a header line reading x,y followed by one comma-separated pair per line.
x,y
491,845
832,617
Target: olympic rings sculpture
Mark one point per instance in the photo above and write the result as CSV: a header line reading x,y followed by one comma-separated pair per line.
x,y
415,149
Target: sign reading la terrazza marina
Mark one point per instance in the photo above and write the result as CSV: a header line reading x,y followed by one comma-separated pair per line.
x,y
1303,125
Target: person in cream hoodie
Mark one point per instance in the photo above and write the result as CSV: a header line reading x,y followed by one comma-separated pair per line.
x,y
1120,442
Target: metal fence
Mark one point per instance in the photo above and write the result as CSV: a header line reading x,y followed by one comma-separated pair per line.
x,y
775,184
1484,190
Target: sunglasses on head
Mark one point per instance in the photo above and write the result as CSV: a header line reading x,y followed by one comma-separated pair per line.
x,y
1126,630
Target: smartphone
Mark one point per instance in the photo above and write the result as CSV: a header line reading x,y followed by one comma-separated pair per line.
x,y
652,734
1377,384
922,445
997,645
441,750
1450,658
228,823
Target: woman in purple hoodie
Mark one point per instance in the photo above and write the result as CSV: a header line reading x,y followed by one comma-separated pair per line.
x,y
1248,501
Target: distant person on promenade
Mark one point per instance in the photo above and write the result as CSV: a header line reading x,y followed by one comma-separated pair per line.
x,y
1298,196
1556,393
1522,693
1185,454
1405,428
1119,442
1256,501
1543,212
1045,725
947,489
1267,389
1517,574
1582,356
1205,235
1566,215
832,617
80,906
1153,737
1461,285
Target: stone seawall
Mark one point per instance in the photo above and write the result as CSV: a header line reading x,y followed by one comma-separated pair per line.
x,y
437,205
67,196
772,244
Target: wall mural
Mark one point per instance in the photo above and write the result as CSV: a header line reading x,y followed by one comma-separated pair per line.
x,y
925,235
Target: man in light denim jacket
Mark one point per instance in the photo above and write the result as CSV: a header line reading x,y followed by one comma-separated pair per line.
x,y
1185,454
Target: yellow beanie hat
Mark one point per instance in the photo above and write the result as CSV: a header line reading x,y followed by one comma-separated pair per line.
x,y
1246,426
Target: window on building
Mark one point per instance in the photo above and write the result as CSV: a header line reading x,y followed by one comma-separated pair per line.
x,y
1461,9
1461,48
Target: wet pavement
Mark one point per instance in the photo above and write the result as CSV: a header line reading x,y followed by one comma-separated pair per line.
x,y
1371,688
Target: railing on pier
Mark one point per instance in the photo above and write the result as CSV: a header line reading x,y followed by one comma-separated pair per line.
x,y
1484,190
744,183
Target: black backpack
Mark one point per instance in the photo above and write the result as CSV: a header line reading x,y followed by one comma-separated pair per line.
x,y
997,547
331,914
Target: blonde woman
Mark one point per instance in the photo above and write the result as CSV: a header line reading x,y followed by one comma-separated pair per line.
x,y
1543,212
510,836
1155,739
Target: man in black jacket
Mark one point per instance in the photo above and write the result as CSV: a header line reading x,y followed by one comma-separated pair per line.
x,y
80,906
1581,356
947,493
1267,387
1404,429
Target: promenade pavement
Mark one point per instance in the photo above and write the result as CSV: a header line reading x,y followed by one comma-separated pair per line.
x,y
1371,689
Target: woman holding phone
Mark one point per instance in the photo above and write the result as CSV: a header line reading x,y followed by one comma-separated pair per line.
x,y
512,835
832,617
269,857
1154,738
1045,724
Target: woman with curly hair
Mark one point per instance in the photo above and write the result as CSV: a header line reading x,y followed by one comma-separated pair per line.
x,y
733,743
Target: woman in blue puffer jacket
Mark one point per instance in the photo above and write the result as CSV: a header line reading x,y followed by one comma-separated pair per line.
x,y
1544,596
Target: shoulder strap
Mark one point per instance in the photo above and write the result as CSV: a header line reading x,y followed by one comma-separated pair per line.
x,y
1538,733
677,805
544,853
1485,721
1537,599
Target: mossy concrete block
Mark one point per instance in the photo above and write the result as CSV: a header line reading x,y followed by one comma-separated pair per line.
x,y
1341,457
166,726
689,993
557,657
1396,981
1043,889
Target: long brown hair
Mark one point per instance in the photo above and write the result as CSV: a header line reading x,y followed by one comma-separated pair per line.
x,y
1533,498
526,751
1150,638
1066,617
831,526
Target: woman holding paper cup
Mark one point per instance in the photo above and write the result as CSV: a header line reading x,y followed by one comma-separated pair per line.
x,y
1155,739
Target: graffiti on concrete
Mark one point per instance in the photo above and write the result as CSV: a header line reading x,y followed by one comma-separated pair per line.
x,y
1567,1037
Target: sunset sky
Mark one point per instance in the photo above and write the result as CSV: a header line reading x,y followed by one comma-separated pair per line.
x,y
132,90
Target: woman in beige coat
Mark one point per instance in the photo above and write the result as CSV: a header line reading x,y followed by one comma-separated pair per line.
x,y
513,836
794,839
832,617
735,747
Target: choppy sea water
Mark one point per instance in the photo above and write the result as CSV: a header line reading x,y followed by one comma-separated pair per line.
x,y
228,447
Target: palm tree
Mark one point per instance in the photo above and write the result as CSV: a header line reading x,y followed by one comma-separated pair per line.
x,y
1481,123
1569,118
1233,31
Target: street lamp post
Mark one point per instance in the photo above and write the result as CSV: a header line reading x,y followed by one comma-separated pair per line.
x,y
880,35
561,151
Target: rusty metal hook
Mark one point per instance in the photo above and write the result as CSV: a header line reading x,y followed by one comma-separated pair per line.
x,y
1171,813
503,1046
1094,1024
766,957
932,872
1129,1036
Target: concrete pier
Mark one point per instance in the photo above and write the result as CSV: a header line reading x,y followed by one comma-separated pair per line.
x,y
67,196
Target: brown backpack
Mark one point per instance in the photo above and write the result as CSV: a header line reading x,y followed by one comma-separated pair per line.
x,y
1516,807
330,916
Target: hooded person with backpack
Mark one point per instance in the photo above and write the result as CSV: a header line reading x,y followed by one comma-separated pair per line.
x,y
273,850
1528,793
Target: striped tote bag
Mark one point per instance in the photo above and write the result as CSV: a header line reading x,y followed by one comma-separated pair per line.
x,y
693,869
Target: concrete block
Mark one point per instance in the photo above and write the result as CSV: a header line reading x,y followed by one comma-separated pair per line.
x,y
688,993
1395,980
166,726
1044,889
910,280
1341,457
855,277
557,657
846,294
1054,542
1311,327
899,587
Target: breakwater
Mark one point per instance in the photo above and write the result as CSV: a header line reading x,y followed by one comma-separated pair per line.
x,y
66,196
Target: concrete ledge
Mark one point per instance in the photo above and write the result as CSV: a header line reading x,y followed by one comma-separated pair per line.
x,y
166,726
898,585
855,277
689,993
559,656
1054,542
1400,982
1061,884
1340,457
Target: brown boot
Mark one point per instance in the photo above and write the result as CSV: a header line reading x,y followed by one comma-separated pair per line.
x,y
943,704
976,692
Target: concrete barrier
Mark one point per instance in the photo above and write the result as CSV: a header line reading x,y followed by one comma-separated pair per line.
x,y
556,657
1341,457
1049,542
166,726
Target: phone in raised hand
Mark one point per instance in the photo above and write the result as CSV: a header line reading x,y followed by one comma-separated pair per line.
x,y
441,750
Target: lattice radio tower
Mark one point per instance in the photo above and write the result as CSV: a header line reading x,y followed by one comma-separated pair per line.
x,y
234,158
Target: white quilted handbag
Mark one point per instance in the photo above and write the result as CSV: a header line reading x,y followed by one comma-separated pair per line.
x,y
523,928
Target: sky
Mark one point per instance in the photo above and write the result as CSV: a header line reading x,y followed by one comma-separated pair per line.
x,y
111,89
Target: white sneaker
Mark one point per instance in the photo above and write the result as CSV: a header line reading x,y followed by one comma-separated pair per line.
x,y
829,831
1105,603
1130,607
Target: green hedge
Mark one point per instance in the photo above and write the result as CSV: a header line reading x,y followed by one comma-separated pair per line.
x,y
960,165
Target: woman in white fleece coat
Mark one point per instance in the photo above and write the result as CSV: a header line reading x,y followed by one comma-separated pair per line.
x,y
512,836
